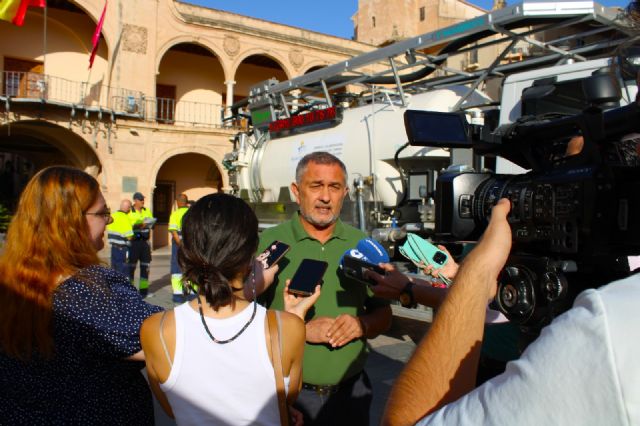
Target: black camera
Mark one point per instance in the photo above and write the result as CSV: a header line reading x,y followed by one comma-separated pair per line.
x,y
575,216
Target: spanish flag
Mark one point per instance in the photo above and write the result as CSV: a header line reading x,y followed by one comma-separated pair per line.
x,y
15,10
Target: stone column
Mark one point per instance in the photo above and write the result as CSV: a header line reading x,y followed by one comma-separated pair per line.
x,y
229,101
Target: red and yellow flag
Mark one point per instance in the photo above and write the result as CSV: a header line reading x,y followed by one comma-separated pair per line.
x,y
15,10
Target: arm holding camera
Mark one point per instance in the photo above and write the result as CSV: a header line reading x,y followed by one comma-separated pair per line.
x,y
456,331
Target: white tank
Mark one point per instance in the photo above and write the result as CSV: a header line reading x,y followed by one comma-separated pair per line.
x,y
366,141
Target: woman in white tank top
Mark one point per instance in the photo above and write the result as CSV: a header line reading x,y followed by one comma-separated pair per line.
x,y
208,360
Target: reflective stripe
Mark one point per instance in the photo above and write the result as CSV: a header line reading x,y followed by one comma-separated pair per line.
x,y
175,220
120,230
118,240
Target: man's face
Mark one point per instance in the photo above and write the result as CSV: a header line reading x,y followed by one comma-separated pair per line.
x,y
320,194
138,204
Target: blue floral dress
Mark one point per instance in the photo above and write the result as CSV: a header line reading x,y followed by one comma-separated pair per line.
x,y
97,315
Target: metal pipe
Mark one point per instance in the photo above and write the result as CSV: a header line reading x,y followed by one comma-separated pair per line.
x,y
358,183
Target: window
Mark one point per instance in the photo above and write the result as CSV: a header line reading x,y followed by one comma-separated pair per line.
x,y
166,103
373,21
422,14
23,79
163,196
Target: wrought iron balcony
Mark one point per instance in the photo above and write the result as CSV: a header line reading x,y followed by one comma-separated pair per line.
x,y
29,87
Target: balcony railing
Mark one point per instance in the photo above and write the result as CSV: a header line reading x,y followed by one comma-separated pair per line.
x,y
28,86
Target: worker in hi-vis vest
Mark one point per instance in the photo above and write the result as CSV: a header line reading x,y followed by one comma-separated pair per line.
x,y
142,221
119,234
175,229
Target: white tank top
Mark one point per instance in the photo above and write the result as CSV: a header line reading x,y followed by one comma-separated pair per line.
x,y
230,384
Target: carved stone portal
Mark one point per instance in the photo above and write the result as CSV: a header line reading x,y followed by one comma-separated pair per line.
x,y
134,39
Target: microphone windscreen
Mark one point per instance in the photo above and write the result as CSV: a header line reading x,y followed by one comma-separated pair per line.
x,y
353,253
372,250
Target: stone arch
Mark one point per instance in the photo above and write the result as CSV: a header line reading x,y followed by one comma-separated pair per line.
x,y
215,50
192,149
284,64
70,144
35,144
250,68
314,66
192,171
93,9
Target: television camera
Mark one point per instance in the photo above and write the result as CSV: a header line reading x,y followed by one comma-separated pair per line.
x,y
575,215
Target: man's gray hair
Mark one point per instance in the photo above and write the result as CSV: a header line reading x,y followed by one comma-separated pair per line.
x,y
318,157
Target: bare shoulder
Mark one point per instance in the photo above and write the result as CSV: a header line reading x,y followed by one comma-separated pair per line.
x,y
151,321
292,326
149,330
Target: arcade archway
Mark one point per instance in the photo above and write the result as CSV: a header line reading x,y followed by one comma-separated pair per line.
x,y
29,146
194,174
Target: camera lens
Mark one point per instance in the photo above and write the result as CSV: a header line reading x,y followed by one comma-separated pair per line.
x,y
439,258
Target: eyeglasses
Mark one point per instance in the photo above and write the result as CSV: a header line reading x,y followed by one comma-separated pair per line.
x,y
106,215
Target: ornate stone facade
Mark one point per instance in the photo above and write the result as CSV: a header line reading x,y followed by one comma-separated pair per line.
x,y
134,39
148,115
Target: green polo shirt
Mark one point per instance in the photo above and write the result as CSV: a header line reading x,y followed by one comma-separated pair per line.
x,y
323,365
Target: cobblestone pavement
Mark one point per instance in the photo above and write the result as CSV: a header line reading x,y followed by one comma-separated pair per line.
x,y
389,351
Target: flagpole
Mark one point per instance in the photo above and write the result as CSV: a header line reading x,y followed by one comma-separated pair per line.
x,y
44,41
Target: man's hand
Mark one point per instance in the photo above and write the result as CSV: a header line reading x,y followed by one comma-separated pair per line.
x,y
299,305
344,329
318,329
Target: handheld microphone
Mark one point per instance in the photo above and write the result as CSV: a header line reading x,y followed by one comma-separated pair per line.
x,y
372,250
354,253
365,257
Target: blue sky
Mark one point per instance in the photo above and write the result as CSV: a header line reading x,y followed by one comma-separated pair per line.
x,y
327,16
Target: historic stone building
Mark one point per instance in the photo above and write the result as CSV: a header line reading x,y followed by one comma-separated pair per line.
x,y
382,22
148,116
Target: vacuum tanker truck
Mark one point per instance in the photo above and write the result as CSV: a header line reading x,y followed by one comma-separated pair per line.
x,y
355,109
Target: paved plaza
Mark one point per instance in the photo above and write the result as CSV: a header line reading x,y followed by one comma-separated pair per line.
x,y
389,351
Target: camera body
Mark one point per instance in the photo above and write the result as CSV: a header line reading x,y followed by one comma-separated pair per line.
x,y
574,214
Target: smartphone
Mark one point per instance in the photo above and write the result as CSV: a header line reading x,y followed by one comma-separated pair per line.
x,y
308,275
273,253
355,268
419,250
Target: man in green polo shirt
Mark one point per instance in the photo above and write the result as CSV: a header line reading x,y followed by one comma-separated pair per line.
x,y
335,389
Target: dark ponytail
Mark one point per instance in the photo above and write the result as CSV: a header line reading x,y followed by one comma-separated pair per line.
x,y
219,241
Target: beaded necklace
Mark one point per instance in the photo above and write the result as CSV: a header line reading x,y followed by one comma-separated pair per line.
x,y
231,339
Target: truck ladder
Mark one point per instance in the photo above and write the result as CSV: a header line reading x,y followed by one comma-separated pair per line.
x,y
589,30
